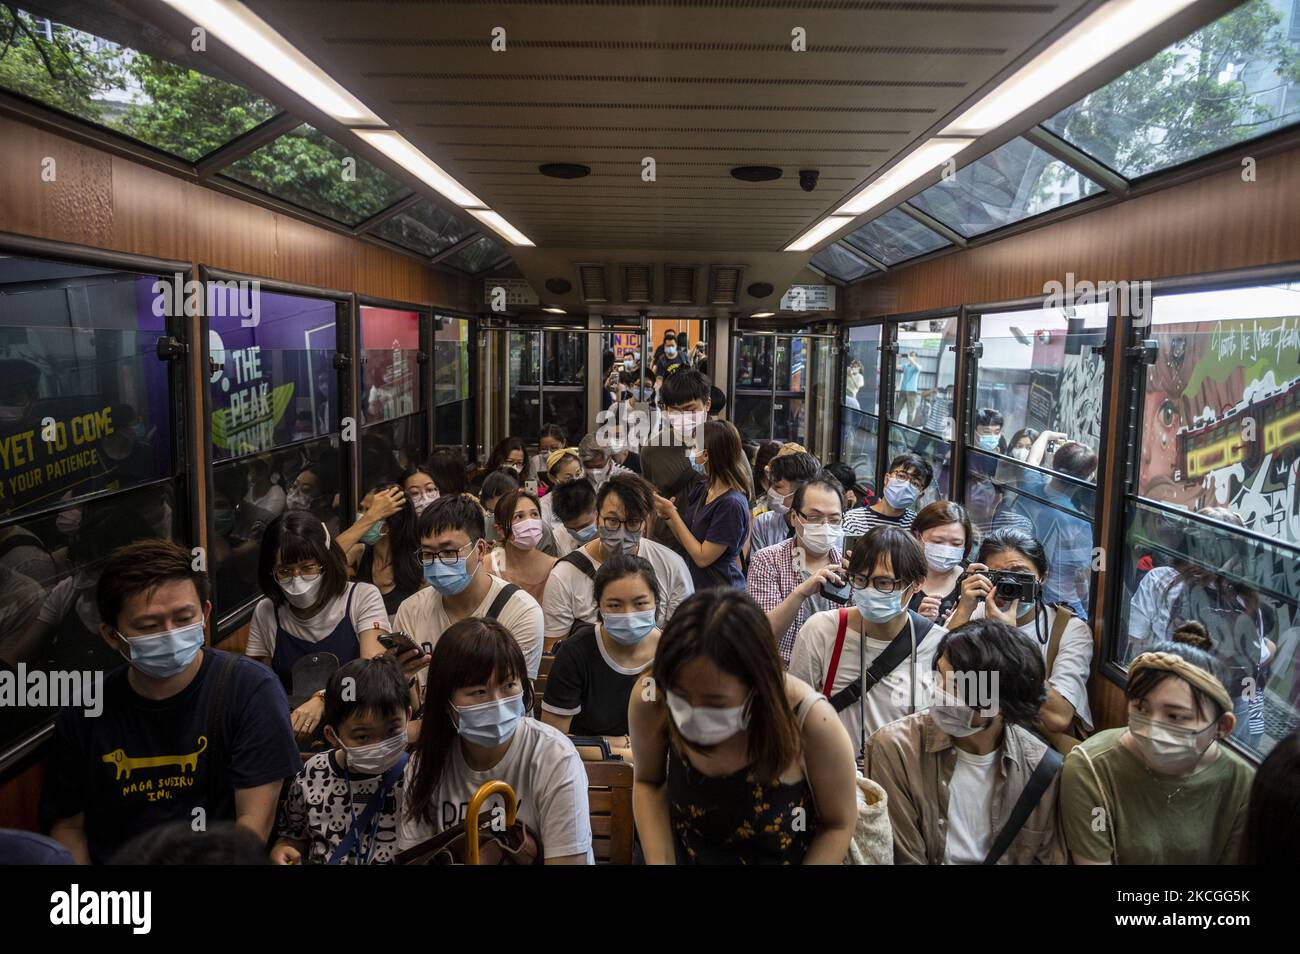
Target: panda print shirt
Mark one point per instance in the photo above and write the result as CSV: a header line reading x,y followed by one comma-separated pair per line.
x,y
321,805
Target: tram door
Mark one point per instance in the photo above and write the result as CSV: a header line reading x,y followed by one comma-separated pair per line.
x,y
546,382
778,384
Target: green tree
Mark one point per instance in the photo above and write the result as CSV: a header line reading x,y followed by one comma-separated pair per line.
x,y
66,73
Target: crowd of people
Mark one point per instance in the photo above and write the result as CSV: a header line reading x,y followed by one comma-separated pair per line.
x,y
776,651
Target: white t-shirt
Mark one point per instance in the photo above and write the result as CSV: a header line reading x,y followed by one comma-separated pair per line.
x,y
571,594
547,776
1069,675
565,543
423,618
367,610
970,802
889,700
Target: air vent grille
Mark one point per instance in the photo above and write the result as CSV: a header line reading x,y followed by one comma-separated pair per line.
x,y
591,278
638,284
681,284
724,284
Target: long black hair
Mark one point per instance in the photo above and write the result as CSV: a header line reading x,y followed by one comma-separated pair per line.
x,y
403,541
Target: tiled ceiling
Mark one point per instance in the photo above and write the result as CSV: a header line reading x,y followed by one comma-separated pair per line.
x,y
699,87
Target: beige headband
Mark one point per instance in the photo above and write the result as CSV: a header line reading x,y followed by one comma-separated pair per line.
x,y
1180,667
558,455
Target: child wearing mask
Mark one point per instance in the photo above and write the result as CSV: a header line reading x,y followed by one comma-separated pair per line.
x,y
909,476
345,805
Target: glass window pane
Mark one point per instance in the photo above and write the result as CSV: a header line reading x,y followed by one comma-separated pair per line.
x,y
566,358
1229,82
479,255
276,381
78,345
838,262
895,237
1038,373
753,416
862,370
935,450
1243,588
924,373
1057,512
1011,183
305,168
451,381
156,101
1221,418
390,343
425,228
388,449
859,433
567,408
754,359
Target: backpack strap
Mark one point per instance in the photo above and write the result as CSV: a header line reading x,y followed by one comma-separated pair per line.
x,y
214,717
581,561
835,653
502,598
1063,616
1046,769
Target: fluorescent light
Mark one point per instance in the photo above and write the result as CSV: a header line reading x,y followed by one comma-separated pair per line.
x,y
762,314
554,310
397,148
249,35
818,232
494,221
1110,28
917,164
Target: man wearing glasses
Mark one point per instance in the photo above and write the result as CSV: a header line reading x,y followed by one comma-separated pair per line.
x,y
908,478
452,550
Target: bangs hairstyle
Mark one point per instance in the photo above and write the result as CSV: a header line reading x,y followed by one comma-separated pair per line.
x,y
990,645
940,514
298,537
456,512
683,387
910,463
729,629
469,653
403,539
1191,642
726,462
633,492
504,512
575,499
378,688
901,549
142,567
798,467
497,483
1008,540
622,565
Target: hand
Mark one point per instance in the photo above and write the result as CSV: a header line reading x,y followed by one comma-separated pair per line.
x,y
834,575
386,503
976,586
306,717
929,607
412,661
664,507
283,854
993,611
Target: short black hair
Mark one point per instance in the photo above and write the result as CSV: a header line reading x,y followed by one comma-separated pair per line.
x,y
626,564
572,500
447,471
844,473
796,468
912,462
988,417
1076,460
826,482
456,512
179,843
298,537
990,645
635,493
376,685
1272,834
1007,539
141,567
683,387
906,558
497,484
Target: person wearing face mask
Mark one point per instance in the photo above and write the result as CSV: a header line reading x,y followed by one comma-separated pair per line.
x,y
562,466
597,463
495,486
988,431
855,379
420,487
477,729
872,660
909,476
211,726
573,515
728,749
1064,640
622,506
309,606
786,474
549,439
908,398
670,358
312,492
1022,441
508,454
519,559
945,534
968,781
786,579
344,807
381,544
597,667
453,554
1169,790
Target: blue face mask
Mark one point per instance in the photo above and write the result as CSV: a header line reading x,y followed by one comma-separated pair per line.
x,y
900,494
629,629
695,464
490,723
585,535
448,580
163,655
371,536
878,607
988,442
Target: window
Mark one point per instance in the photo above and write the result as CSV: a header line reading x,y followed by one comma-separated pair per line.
x,y
452,422
1011,183
860,402
771,387
478,256
424,228
839,262
308,169
895,237
1229,82
924,368
392,402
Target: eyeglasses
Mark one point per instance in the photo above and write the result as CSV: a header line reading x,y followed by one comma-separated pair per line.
x,y
613,523
912,479
445,557
822,520
884,584
286,573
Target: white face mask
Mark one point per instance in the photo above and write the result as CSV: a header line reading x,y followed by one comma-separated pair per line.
x,y
707,725
1170,749
776,501
422,501
301,591
1020,453
375,758
953,716
821,538
598,475
941,557
297,500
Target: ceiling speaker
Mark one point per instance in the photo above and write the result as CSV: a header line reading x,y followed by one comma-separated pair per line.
x,y
564,170
759,289
559,286
756,173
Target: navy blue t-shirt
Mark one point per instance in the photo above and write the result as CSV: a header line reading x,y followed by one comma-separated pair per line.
x,y
145,762
725,521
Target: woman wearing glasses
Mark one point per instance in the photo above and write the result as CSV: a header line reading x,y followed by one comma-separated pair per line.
x,y
309,606
885,569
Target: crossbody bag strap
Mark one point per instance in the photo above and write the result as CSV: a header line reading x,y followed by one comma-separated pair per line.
x,y
843,628
362,822
502,598
1030,796
1059,622
899,648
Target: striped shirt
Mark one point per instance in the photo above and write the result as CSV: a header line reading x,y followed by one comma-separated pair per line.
x,y
859,520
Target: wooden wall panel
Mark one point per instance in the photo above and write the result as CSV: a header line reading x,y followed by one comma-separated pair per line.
x,y
1210,224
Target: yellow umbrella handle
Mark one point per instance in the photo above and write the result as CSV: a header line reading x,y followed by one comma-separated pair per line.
x,y
486,791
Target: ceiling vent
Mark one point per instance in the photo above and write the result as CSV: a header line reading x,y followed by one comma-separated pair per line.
x,y
724,284
680,282
591,279
756,173
559,286
759,289
564,170
638,284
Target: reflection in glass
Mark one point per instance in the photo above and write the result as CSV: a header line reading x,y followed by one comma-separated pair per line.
x,y
938,452
390,342
862,369
388,449
858,435
923,375
839,262
425,228
479,255
451,422
895,237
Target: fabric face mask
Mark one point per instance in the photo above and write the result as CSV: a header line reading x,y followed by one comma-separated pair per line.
x,y
821,538
371,536
490,723
941,557
526,534
953,716
900,494
1019,453
628,629
988,442
423,500
776,502
585,534
598,475
620,541
301,591
297,500
878,607
163,655
1170,749
448,580
707,725
670,351
375,758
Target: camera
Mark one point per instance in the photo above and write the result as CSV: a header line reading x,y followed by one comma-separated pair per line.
x,y
808,179
1015,586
